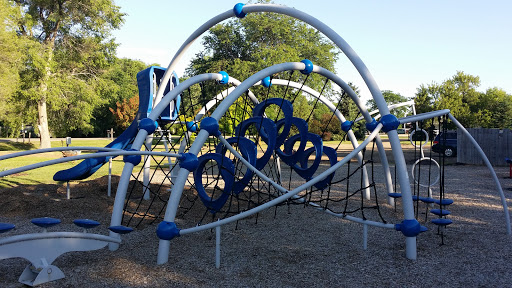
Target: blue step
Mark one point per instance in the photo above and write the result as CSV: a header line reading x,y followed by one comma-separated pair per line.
x,y
442,221
415,198
86,223
45,222
444,201
120,229
395,195
427,199
440,212
4,227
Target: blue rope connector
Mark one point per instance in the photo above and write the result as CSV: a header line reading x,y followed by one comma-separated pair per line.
x,y
225,77
347,125
410,228
191,126
211,125
372,125
148,125
389,122
188,161
238,10
133,159
266,82
167,230
309,67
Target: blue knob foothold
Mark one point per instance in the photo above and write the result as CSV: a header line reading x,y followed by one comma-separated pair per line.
x,y
389,122
86,223
120,229
192,126
4,227
133,159
347,125
188,161
148,125
238,10
309,67
266,82
211,125
410,228
372,125
225,77
167,230
45,222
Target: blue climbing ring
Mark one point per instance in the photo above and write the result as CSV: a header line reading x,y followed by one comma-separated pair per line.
x,y
264,126
227,172
289,156
287,109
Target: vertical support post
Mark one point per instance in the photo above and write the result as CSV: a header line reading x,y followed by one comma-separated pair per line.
x,y
109,191
68,191
147,165
365,236
217,247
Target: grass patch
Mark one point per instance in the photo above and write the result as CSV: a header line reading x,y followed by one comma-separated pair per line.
x,y
16,146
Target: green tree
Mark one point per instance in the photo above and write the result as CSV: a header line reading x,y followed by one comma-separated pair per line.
x,y
68,51
391,98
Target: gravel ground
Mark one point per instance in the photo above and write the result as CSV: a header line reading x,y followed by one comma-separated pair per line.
x,y
287,247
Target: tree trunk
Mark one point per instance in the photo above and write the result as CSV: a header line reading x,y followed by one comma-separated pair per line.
x,y
44,131
43,124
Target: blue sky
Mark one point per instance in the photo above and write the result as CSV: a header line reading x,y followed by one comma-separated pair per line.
x,y
404,43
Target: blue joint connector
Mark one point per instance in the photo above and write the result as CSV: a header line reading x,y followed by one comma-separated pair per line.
x,y
188,161
410,228
266,82
389,122
133,159
211,125
347,125
191,126
167,230
225,77
148,125
238,10
372,125
309,67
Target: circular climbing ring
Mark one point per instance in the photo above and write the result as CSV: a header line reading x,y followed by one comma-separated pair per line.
x,y
432,183
421,144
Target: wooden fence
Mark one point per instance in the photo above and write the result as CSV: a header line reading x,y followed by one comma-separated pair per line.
x,y
496,143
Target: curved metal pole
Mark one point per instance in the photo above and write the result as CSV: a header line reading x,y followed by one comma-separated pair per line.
x,y
491,169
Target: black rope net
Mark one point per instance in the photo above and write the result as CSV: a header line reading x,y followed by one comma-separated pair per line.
x,y
343,192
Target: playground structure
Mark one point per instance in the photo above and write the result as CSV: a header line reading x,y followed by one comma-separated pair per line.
x,y
229,153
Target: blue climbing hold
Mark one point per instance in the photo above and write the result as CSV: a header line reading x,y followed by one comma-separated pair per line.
x,y
389,122
309,67
347,125
191,126
287,109
372,125
133,159
225,77
239,13
4,227
227,172
148,125
45,222
167,230
188,161
266,82
86,223
120,229
210,125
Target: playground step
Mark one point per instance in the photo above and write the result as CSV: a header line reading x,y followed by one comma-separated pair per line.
x,y
442,221
120,229
444,201
45,222
427,199
440,212
86,223
4,227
